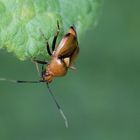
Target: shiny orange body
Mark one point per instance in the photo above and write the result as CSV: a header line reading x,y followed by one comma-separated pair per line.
x,y
63,56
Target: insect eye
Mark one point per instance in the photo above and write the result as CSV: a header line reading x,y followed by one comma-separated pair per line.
x,y
43,73
46,74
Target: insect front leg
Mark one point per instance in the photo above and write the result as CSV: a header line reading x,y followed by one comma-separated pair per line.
x,y
36,62
40,61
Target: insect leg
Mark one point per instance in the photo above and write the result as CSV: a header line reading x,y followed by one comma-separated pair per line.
x,y
40,62
55,37
47,44
48,48
37,68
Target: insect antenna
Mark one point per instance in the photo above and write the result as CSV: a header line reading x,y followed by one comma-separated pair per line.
x,y
58,106
20,81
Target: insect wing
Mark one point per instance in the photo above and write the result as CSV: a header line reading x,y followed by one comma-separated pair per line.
x,y
74,55
67,46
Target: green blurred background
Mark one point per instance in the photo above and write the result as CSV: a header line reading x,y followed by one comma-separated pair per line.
x,y
101,98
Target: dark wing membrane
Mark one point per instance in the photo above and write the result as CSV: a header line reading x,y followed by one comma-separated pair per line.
x,y
74,55
67,46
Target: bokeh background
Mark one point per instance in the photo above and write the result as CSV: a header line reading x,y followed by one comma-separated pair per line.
x,y
101,98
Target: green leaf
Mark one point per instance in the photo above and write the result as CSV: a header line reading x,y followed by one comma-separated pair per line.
x,y
22,21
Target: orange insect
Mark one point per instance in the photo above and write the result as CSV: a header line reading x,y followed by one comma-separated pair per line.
x,y
62,59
